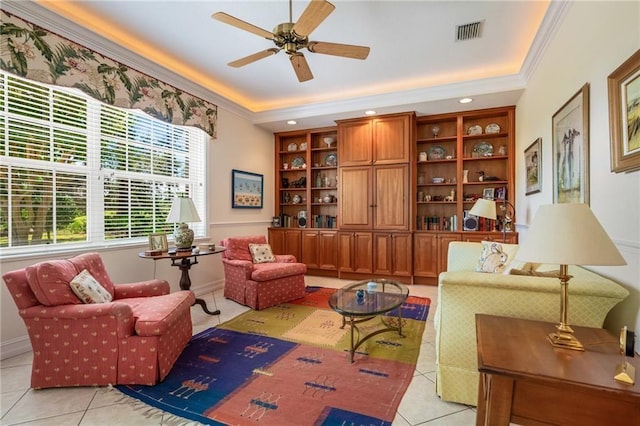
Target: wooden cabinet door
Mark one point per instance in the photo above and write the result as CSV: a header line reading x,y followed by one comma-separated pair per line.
x,y
363,252
310,255
354,195
391,200
425,255
292,243
276,240
443,252
355,147
383,253
355,252
391,139
402,255
345,261
327,250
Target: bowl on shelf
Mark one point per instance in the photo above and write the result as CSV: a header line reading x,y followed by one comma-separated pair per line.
x,y
437,180
328,140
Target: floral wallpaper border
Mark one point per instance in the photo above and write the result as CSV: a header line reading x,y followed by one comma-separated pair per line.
x,y
32,52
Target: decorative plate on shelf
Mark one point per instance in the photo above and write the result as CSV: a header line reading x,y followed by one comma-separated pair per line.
x,y
492,128
437,152
297,162
303,146
292,147
483,149
475,130
331,160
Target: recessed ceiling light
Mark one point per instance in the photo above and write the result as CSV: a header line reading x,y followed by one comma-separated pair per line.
x,y
292,122
465,100
370,112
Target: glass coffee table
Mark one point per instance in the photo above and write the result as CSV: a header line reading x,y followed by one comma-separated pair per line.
x,y
364,300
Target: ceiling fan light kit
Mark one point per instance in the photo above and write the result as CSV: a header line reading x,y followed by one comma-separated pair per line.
x,y
293,37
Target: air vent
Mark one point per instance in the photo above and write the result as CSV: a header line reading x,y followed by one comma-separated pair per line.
x,y
468,31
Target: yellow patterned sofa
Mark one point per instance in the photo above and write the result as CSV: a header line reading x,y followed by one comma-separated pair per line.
x,y
462,293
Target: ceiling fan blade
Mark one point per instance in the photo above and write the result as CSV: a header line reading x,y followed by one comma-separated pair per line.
x,y
301,67
316,12
252,58
337,49
239,23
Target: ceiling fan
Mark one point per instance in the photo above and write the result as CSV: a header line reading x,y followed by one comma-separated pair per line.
x,y
293,37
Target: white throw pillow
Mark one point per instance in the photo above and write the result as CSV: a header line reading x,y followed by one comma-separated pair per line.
x,y
492,258
261,253
88,289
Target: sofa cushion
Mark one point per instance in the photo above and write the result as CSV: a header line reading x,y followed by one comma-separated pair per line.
x,y
261,253
154,315
270,271
88,289
50,280
492,258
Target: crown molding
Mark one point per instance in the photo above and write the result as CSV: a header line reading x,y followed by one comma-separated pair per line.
x,y
551,22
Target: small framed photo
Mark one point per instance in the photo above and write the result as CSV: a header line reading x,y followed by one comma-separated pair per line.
x,y
488,193
158,242
624,115
247,190
501,193
533,167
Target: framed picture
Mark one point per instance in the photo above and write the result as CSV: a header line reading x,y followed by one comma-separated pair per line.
x,y
570,133
158,242
488,193
533,167
624,115
501,193
247,190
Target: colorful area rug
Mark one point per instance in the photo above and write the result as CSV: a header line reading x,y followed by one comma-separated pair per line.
x,y
288,365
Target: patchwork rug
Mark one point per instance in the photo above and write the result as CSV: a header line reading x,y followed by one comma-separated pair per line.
x,y
288,365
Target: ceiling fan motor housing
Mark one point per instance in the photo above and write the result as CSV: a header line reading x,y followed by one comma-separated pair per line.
x,y
285,38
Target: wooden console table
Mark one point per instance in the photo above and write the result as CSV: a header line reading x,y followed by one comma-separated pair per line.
x,y
525,380
184,260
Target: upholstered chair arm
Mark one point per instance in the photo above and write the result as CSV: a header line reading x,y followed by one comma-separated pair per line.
x,y
112,316
239,266
121,311
286,258
141,289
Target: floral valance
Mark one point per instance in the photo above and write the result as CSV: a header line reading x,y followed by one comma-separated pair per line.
x,y
32,52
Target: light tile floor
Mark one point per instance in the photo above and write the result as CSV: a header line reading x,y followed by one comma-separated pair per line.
x,y
20,405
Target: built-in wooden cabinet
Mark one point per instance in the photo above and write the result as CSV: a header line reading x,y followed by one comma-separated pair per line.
x,y
385,196
392,254
370,141
355,252
320,249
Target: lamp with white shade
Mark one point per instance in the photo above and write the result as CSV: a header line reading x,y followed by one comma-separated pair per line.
x,y
487,208
183,210
567,234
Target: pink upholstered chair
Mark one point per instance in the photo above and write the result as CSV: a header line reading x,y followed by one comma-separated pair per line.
x,y
134,339
260,285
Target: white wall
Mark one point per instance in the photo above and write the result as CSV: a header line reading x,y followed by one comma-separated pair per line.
x,y
592,41
239,145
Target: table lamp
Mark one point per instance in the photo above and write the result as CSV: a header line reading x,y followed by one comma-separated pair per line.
x,y
487,208
183,210
567,234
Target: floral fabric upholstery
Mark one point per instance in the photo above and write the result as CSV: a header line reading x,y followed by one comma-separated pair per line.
x,y
260,285
462,293
135,339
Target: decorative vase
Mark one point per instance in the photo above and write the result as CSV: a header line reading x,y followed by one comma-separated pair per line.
x,y
465,176
183,237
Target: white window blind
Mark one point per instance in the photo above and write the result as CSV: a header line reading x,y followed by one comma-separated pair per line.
x,y
74,171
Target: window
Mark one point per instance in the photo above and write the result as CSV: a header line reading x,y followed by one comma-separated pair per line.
x,y
74,171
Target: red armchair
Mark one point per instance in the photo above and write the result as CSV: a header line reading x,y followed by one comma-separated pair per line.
x,y
134,339
260,285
